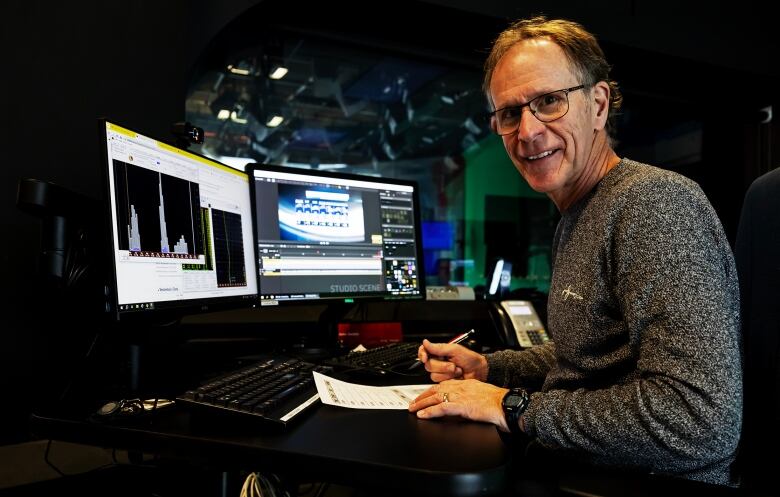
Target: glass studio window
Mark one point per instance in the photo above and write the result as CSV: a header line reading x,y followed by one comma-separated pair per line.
x,y
313,102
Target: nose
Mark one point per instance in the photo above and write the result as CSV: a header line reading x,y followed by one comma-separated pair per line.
x,y
530,127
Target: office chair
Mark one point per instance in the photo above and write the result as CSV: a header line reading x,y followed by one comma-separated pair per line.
x,y
757,254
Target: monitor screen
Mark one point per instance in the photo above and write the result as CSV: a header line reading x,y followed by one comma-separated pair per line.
x,y
331,236
180,228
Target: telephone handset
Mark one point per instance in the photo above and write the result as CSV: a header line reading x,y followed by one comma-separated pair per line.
x,y
519,323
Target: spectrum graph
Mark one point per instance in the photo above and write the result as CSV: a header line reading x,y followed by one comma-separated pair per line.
x,y
158,215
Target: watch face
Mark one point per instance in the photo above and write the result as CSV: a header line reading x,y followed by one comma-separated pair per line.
x,y
513,401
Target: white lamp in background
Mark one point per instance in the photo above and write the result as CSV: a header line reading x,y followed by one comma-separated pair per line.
x,y
278,72
238,70
274,121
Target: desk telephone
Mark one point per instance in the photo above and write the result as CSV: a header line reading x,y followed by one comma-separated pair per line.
x,y
519,323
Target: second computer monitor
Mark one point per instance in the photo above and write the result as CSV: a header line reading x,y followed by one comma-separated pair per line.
x,y
180,230
324,236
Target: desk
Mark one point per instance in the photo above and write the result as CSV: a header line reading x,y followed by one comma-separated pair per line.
x,y
365,449
344,446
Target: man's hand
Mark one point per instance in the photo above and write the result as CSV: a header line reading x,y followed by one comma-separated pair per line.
x,y
470,399
447,361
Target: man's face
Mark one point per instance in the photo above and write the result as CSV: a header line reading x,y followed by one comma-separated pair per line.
x,y
552,157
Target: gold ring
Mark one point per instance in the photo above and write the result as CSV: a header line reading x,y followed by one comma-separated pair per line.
x,y
446,397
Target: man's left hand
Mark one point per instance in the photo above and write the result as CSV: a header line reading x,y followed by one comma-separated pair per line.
x,y
470,399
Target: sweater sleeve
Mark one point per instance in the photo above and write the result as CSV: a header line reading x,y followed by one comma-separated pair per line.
x,y
527,368
673,276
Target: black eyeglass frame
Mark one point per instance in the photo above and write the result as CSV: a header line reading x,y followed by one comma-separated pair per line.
x,y
492,115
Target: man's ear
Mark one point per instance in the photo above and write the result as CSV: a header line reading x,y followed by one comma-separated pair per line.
x,y
601,92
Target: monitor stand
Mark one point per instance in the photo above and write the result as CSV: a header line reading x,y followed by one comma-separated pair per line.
x,y
148,346
324,343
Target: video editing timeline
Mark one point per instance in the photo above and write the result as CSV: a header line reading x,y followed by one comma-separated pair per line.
x,y
333,236
181,224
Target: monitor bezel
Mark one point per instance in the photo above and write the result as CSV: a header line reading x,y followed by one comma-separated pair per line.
x,y
341,300
166,312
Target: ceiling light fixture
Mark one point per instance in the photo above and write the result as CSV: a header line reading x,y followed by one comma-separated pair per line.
x,y
238,70
234,117
274,121
278,72
472,126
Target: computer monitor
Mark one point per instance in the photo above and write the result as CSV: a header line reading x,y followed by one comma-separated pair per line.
x,y
327,237
180,229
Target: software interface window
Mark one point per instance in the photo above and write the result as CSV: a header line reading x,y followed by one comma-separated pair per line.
x,y
334,237
181,224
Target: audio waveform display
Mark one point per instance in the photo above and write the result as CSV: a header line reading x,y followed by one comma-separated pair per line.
x,y
153,208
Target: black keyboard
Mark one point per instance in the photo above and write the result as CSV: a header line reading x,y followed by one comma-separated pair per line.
x,y
395,357
275,390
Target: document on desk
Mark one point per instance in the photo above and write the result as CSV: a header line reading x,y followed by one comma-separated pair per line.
x,y
341,393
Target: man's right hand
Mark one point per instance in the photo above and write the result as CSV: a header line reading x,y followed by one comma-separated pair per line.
x,y
447,361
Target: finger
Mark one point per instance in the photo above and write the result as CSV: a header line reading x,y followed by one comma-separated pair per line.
x,y
435,397
427,393
439,366
439,377
439,410
439,349
421,354
422,403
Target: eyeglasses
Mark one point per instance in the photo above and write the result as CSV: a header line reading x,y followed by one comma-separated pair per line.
x,y
546,108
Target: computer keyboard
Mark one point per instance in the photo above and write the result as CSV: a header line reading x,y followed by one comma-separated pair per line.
x,y
275,390
394,357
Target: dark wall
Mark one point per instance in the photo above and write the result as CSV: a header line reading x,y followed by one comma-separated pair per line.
x,y
66,64
725,33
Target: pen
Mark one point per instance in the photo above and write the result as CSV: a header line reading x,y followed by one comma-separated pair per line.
x,y
458,339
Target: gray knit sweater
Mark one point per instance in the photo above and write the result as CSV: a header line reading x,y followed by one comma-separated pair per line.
x,y
644,364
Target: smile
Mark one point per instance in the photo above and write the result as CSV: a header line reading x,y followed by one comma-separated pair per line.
x,y
540,156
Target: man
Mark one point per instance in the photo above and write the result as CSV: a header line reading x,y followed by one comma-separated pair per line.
x,y
644,364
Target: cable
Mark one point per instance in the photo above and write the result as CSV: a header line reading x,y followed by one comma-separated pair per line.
x,y
314,489
258,485
46,459
253,487
321,491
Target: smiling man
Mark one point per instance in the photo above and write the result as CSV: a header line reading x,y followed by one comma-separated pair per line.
x,y
643,369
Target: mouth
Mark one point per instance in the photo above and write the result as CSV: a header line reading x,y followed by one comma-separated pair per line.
x,y
542,155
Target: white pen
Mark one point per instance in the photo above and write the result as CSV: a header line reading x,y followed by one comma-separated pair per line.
x,y
458,339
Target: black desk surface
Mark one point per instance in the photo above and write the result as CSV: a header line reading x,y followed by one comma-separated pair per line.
x,y
386,452
391,449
